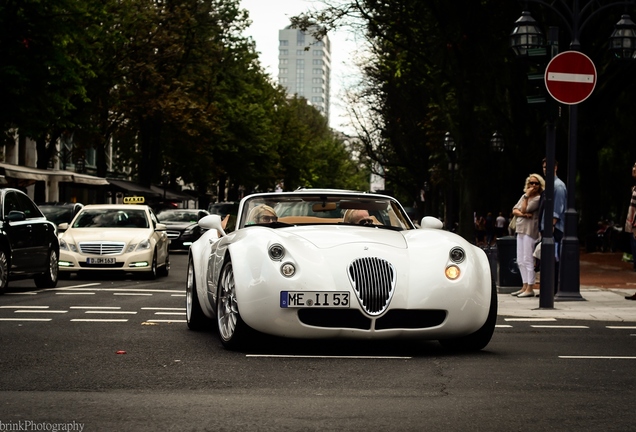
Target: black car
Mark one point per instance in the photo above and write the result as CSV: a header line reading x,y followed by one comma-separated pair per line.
x,y
60,212
181,226
29,247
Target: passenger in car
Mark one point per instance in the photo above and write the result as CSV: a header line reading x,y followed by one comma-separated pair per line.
x,y
358,217
262,214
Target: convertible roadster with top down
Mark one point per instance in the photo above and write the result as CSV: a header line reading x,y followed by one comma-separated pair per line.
x,y
338,264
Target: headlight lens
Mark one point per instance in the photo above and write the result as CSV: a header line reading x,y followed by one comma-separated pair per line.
x,y
67,246
276,252
144,244
457,255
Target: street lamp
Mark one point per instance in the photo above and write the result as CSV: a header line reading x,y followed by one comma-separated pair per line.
x,y
621,43
451,152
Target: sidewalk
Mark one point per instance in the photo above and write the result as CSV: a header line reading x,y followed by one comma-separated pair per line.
x,y
605,281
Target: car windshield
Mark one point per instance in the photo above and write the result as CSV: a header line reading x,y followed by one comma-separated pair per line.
x,y
111,218
178,216
57,214
293,209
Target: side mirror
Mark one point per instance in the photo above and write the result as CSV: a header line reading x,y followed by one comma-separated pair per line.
x,y
16,216
431,222
62,227
212,222
160,227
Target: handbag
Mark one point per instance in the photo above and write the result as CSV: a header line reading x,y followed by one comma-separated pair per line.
x,y
513,223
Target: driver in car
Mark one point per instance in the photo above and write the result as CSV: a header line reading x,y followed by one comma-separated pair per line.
x,y
358,217
262,214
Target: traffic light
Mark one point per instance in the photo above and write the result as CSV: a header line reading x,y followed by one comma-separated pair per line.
x,y
537,61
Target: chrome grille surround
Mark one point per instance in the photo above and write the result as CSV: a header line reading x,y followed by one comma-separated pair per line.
x,y
102,248
173,234
373,280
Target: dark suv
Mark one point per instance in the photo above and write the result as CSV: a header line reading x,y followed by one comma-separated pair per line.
x,y
29,247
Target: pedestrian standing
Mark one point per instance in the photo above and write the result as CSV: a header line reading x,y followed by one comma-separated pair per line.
x,y
559,200
500,225
527,229
630,224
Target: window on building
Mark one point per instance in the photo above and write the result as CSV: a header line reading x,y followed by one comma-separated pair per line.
x,y
283,52
300,63
317,81
283,70
284,42
318,53
317,62
317,71
317,90
283,61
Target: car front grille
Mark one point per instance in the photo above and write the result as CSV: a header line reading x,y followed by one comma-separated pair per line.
x,y
373,280
173,234
102,248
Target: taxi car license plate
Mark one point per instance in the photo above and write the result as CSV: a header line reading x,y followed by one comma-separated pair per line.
x,y
320,299
101,260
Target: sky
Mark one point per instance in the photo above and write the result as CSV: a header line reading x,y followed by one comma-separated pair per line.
x,y
269,16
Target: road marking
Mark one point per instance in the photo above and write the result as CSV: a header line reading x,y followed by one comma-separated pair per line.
x,y
125,290
24,307
560,326
72,287
95,307
164,308
22,293
529,319
600,357
177,295
503,326
166,321
110,312
170,313
131,294
98,320
74,293
25,319
329,357
622,327
40,311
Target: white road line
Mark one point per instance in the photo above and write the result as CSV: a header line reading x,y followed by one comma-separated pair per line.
x,y
99,320
40,311
177,295
21,293
600,357
25,319
621,327
530,319
95,307
503,326
166,321
110,312
74,293
170,313
131,294
125,290
328,357
560,326
72,287
164,308
24,307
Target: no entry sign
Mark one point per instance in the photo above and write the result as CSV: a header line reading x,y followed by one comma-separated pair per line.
x,y
570,77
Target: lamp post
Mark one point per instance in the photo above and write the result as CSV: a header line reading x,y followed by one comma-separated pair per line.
x,y
451,152
497,142
622,43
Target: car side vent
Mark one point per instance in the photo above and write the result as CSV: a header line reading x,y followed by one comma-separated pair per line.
x,y
373,280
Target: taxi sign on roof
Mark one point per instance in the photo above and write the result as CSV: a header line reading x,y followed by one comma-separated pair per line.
x,y
134,200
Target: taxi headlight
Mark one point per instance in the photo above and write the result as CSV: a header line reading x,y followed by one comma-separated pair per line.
x,y
67,246
144,244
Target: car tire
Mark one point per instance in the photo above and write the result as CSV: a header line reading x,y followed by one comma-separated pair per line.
x,y
233,331
164,270
152,274
48,279
195,317
479,339
4,271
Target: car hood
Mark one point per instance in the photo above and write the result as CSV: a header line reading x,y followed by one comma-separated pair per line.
x,y
105,234
326,237
178,225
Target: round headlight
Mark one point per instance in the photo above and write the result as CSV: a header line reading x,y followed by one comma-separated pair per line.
x,y
452,272
276,252
457,255
288,269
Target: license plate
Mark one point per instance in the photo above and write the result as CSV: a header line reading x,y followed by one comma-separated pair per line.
x,y
319,299
101,260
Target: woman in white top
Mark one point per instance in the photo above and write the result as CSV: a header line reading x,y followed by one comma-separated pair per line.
x,y
527,230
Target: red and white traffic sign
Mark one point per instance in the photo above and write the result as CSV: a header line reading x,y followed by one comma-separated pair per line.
x,y
570,77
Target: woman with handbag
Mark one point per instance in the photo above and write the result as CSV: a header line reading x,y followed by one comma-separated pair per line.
x,y
526,212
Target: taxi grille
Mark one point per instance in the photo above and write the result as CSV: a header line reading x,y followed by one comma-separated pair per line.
x,y
373,280
101,248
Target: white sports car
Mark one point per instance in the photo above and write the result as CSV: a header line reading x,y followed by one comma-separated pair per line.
x,y
338,264
114,237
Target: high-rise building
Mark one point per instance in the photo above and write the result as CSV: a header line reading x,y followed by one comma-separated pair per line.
x,y
304,66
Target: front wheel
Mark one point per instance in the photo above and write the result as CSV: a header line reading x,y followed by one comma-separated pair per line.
x,y
233,331
48,279
479,339
152,274
195,317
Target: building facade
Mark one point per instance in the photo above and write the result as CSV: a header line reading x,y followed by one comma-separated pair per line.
x,y
304,66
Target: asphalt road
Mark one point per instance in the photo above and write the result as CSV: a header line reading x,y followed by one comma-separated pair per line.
x,y
115,354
